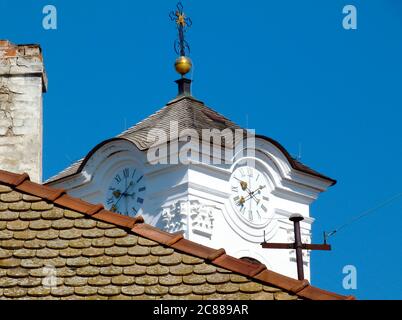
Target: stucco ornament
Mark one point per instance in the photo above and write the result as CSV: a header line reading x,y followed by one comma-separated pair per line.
x,y
192,216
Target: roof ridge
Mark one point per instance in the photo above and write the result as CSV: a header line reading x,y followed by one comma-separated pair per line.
x,y
258,272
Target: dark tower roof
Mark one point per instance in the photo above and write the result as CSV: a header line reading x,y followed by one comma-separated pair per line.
x,y
189,113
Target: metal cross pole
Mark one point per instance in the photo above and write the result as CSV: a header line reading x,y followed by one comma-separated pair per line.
x,y
297,245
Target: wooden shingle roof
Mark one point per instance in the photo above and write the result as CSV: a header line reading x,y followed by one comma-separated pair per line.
x,y
189,114
97,254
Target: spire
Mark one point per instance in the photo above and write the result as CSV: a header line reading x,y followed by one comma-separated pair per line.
x,y
183,63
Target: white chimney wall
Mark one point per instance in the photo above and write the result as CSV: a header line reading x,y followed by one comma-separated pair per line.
x,y
22,84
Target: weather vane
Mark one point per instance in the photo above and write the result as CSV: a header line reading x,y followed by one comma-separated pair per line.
x,y
183,64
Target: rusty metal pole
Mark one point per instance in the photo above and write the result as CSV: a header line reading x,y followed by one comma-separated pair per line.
x,y
298,244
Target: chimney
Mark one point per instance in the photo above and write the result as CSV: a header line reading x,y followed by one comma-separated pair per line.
x,y
184,86
22,84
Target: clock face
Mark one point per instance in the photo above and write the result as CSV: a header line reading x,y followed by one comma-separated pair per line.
x,y
250,194
126,192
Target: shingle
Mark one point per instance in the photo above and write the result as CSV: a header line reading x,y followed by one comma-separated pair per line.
x,y
135,270
85,223
35,244
93,233
139,251
99,281
250,287
53,214
17,225
24,253
171,260
111,271
170,280
4,254
30,215
116,251
85,291
8,216
133,290
109,291
15,292
19,206
181,270
41,206
75,281
47,234
101,261
157,270
194,279
180,290
12,196
40,225
79,243
156,290
128,241
70,253
39,292
9,263
62,291
77,262
146,280
88,271
57,244
123,280
284,296
62,224
161,251
31,263
93,252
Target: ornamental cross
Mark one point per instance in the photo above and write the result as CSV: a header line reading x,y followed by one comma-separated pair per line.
x,y
298,245
183,23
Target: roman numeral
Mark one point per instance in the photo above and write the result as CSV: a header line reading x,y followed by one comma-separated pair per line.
x,y
250,172
135,210
132,176
140,178
265,198
110,201
236,199
259,215
112,189
264,208
250,215
140,200
117,178
141,189
126,172
242,172
235,189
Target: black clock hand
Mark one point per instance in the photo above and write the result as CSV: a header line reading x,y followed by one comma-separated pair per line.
x,y
125,192
251,194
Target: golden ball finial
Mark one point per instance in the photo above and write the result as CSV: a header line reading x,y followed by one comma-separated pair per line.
x,y
183,65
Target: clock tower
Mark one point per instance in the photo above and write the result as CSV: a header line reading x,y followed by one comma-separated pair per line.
x,y
187,168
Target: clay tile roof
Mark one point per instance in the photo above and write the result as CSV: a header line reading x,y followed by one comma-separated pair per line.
x,y
97,254
190,114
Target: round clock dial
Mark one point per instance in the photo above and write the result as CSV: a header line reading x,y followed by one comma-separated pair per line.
x,y
250,194
126,192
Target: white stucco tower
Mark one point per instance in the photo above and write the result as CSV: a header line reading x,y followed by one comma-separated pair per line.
x,y
165,170
22,84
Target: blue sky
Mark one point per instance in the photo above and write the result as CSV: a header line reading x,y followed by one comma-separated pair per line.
x,y
287,66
